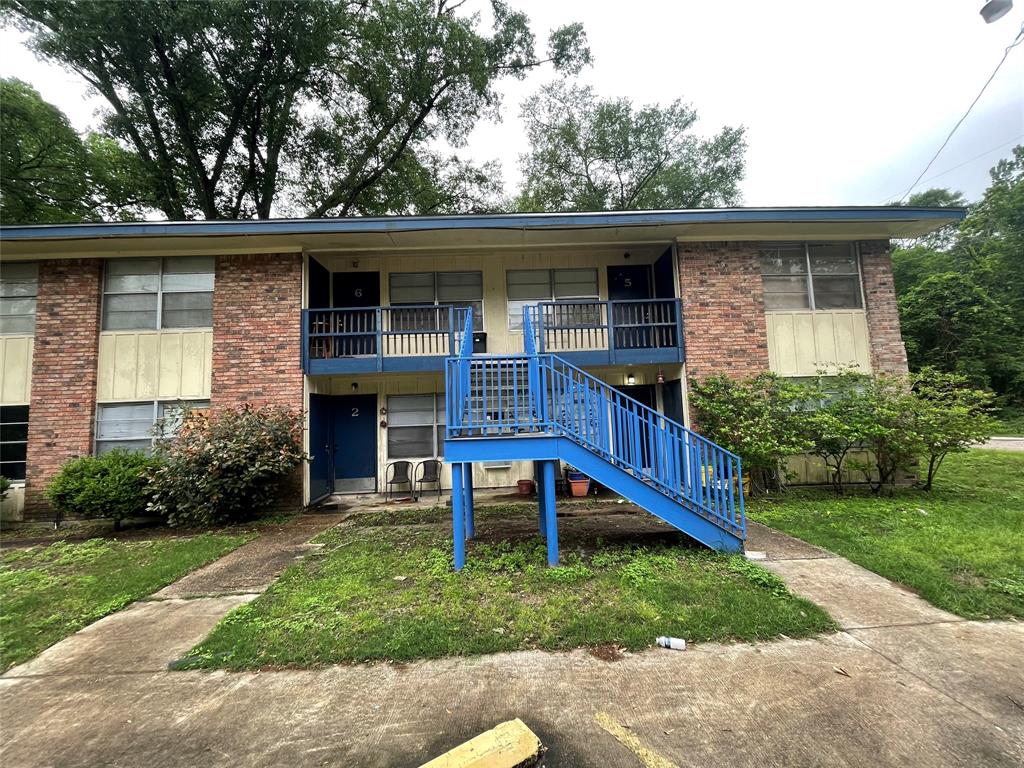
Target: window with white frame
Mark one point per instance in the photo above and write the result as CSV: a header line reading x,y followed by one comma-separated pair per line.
x,y
13,441
529,286
415,426
811,276
459,289
19,285
143,294
138,426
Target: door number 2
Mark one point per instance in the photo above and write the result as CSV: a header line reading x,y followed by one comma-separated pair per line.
x,y
355,412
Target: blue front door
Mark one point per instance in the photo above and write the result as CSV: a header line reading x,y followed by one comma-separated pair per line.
x,y
321,446
355,443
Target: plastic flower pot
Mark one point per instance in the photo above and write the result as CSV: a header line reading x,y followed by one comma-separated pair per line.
x,y
525,487
579,487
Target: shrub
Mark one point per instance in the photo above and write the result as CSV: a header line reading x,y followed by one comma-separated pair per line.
x,y
5,484
113,485
226,467
756,418
838,420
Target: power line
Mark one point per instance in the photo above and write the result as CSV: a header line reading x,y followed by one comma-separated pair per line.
x,y
934,176
1016,41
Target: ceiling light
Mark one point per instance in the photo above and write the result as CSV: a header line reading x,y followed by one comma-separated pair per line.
x,y
994,10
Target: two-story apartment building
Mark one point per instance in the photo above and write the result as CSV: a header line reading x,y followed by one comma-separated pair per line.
x,y
106,328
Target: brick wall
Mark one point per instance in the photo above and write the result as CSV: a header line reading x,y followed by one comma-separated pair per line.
x,y
888,354
723,309
257,333
63,402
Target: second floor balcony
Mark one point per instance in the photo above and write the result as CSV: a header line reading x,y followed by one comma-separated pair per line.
x,y
419,337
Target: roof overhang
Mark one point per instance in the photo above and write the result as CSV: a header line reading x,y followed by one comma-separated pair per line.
x,y
433,233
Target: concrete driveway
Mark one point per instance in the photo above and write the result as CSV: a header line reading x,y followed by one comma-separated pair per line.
x,y
903,684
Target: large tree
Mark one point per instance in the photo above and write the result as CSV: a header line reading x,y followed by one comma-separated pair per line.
x,y
588,153
49,174
241,108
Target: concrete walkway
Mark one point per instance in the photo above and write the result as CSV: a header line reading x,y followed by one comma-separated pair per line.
x,y
903,684
1004,444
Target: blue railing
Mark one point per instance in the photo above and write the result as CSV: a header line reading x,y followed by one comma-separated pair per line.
x,y
332,336
511,395
620,327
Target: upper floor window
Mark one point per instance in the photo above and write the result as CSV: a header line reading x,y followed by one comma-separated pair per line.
x,y
459,289
19,285
811,276
143,294
528,286
133,426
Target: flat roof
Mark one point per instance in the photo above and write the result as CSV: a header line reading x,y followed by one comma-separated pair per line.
x,y
473,231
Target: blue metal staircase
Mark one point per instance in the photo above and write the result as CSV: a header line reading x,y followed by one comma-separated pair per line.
x,y
539,407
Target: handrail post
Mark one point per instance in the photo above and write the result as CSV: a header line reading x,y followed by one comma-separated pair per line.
x,y
679,328
541,346
379,314
610,325
451,330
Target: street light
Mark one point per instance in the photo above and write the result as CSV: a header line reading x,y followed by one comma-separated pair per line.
x,y
994,10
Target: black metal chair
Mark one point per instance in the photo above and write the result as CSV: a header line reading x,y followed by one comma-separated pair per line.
x,y
428,472
398,473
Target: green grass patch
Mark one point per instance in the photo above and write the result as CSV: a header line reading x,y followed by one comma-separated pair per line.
x,y
961,546
391,593
1011,422
50,592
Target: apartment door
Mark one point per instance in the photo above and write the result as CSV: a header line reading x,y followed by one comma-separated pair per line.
x,y
354,290
631,321
321,447
354,443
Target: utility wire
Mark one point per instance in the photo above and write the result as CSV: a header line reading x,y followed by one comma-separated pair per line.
x,y
1016,41
934,176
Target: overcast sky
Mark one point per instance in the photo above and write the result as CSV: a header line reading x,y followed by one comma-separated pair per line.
x,y
844,103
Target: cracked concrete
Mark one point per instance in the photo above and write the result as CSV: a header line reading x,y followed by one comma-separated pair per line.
x,y
903,684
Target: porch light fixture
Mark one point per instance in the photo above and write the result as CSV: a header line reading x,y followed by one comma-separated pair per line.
x,y
661,376
630,379
994,10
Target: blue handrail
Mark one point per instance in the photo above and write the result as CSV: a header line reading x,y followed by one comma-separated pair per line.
x,y
498,395
397,331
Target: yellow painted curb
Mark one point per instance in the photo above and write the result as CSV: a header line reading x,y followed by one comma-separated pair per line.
x,y
508,745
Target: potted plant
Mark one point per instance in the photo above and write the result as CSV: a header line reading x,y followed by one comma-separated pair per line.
x,y
525,487
579,484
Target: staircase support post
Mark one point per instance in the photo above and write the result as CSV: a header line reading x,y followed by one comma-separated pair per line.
x,y
538,475
458,519
550,521
467,480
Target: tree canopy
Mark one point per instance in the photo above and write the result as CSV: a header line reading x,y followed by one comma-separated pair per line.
x,y
244,108
961,295
589,153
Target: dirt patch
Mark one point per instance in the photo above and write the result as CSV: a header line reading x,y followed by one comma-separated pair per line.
x,y
607,652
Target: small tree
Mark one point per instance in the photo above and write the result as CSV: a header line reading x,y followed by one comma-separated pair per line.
x,y
758,418
949,416
226,467
889,429
839,420
113,485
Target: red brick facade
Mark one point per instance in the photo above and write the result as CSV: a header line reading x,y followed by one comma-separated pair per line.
x,y
257,334
723,309
63,403
888,354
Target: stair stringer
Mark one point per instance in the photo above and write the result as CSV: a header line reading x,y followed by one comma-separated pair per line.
x,y
548,446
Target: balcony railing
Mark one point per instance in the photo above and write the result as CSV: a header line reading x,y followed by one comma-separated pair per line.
x,y
595,332
403,338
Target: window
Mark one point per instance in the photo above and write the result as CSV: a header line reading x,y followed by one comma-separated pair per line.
x,y
140,294
131,425
415,426
18,287
529,286
13,441
460,289
818,276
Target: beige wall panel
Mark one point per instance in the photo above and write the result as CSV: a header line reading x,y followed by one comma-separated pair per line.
x,y
15,369
804,343
152,365
806,469
12,508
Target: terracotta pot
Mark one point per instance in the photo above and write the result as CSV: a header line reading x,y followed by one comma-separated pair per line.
x,y
579,487
525,487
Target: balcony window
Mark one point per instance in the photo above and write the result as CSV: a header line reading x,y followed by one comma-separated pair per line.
x,y
13,441
529,286
145,294
138,426
415,426
811,276
19,285
460,289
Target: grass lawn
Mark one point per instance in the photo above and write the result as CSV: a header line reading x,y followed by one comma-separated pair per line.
x,y
961,547
49,592
1011,423
383,588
